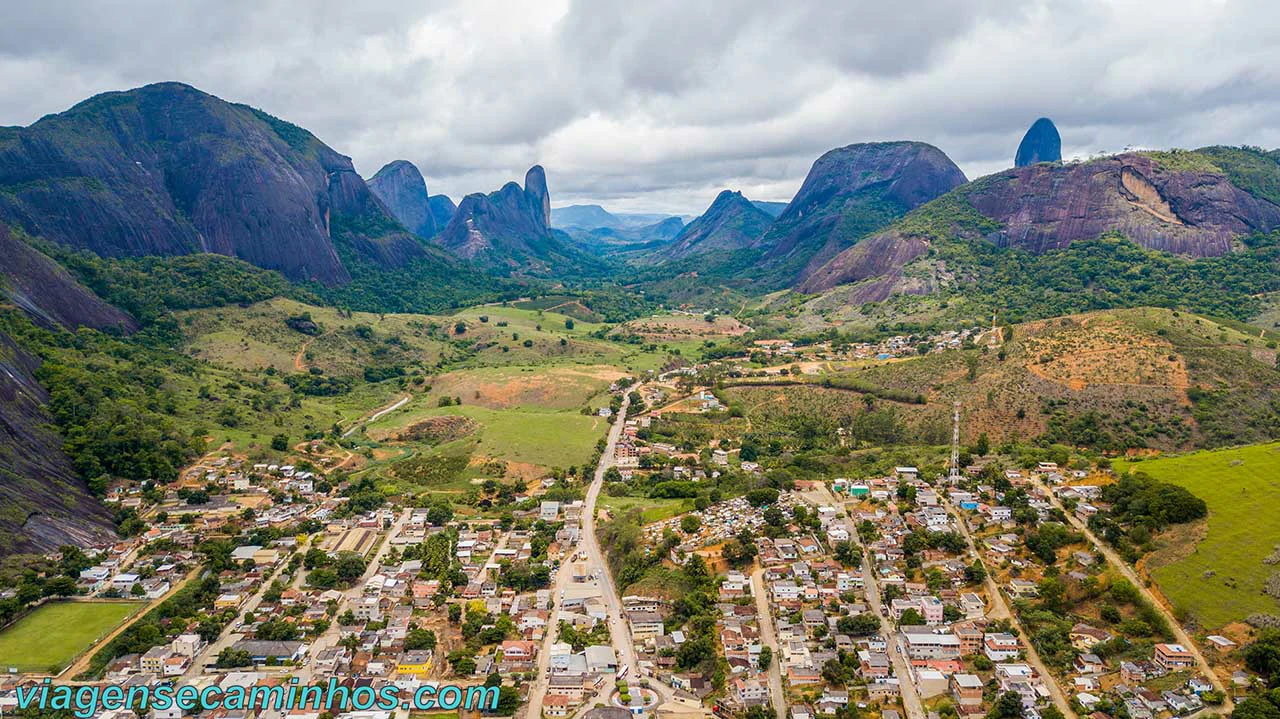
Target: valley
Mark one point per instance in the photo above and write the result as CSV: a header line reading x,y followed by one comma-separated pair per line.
x,y
910,443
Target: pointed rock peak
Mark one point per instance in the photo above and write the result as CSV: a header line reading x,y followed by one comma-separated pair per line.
x,y
402,189
400,167
535,185
727,196
1041,144
731,201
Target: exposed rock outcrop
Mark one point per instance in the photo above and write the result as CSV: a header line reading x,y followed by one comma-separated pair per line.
x,y
403,190
1041,144
732,222
442,210
849,193
45,504
1195,213
508,231
1184,209
44,290
167,170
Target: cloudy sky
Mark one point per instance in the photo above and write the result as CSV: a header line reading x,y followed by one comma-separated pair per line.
x,y
657,105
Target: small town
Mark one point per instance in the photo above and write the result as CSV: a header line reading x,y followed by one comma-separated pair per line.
x,y
904,595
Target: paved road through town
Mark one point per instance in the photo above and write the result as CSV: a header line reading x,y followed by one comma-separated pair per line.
x,y
769,638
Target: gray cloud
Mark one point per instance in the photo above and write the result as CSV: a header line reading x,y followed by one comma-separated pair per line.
x,y
659,105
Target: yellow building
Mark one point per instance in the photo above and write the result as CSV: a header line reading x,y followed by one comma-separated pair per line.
x,y
415,663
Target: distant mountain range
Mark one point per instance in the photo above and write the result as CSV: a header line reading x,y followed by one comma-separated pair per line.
x,y
168,170
590,217
97,202
1192,204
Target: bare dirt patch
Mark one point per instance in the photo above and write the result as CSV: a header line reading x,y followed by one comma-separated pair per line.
x,y
683,327
1098,351
548,388
438,430
1175,544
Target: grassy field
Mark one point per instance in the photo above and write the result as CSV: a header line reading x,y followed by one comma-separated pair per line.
x,y
544,438
652,510
47,639
1223,578
567,387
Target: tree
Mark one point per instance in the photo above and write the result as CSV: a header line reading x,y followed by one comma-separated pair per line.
x,y
63,586
911,617
1052,712
1263,655
1008,706
280,442
982,447
420,639
1256,708
860,625
509,697
847,553
315,558
761,497
349,567
690,523
229,658
462,663
766,658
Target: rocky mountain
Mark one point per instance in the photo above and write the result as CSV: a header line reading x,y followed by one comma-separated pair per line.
x,y
403,190
37,285
732,222
442,209
1193,204
1040,144
624,240
849,193
584,216
594,217
166,169
45,504
509,231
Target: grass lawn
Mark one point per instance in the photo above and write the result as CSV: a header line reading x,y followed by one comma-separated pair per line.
x,y
48,639
543,438
1222,579
652,510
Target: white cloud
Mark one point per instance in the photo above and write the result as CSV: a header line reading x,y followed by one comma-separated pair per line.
x,y
659,105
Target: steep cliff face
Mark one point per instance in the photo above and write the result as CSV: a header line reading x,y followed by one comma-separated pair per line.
x,y
1193,212
403,190
849,193
166,169
1171,202
732,222
442,210
508,231
1041,144
44,505
37,285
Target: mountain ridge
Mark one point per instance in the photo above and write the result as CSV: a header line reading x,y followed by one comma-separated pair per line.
x,y
166,169
848,193
731,222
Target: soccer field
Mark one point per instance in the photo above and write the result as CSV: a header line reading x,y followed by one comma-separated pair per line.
x,y
47,639
1223,578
